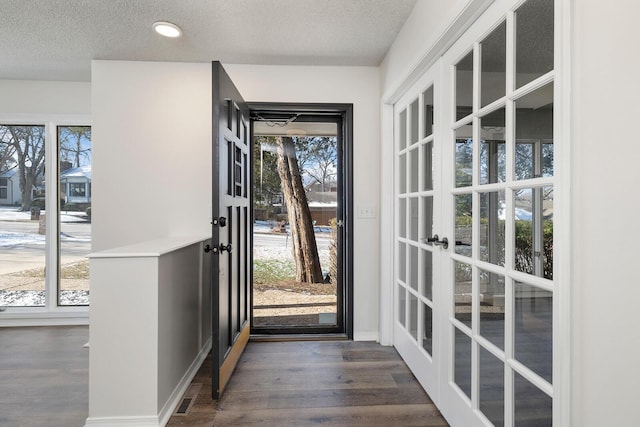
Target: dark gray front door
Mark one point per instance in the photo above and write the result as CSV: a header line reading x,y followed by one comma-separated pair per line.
x,y
230,227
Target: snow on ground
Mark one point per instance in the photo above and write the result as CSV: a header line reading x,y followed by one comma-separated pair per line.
x,y
13,214
36,298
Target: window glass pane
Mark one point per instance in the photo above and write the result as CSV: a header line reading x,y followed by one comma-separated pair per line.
x,y
533,216
413,265
492,308
492,222
463,240
532,406
427,166
534,134
428,111
413,316
493,165
74,143
462,365
463,295
402,130
464,86
427,331
413,126
533,329
402,305
413,211
491,387
22,216
427,279
493,65
534,40
464,157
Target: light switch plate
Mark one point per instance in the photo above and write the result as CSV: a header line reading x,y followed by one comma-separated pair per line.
x,y
366,211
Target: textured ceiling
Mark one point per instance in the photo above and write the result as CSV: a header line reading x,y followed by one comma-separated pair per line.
x,y
56,39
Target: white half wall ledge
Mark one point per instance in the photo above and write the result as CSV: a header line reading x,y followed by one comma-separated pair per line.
x,y
365,336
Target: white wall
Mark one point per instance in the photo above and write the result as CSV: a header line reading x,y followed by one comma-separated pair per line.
x,y
359,86
427,22
605,286
29,97
151,151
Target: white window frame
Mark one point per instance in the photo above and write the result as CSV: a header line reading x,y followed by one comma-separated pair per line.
x,y
51,313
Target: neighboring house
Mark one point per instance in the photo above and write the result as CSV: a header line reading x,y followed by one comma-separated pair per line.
x,y
10,188
75,185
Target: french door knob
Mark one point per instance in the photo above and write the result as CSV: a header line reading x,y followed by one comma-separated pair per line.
x,y
435,240
224,247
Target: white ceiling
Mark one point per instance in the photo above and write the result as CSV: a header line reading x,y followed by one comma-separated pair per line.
x,y
56,39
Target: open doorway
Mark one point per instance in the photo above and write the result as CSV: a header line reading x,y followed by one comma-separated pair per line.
x,y
301,177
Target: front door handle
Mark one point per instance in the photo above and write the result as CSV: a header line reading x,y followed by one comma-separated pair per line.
x,y
435,240
217,249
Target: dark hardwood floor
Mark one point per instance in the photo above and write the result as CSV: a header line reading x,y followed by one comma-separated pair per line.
x,y
44,376
333,383
44,382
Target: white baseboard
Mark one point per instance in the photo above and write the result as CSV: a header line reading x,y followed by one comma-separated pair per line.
x,y
123,422
365,336
174,400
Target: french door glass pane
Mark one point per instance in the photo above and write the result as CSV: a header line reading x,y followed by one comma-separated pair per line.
x,y
462,297
413,316
463,240
491,387
402,128
427,330
493,164
402,174
493,65
533,216
427,215
427,279
464,86
492,227
413,265
532,406
462,366
413,211
74,143
464,157
492,308
534,134
402,261
427,97
413,125
402,305
414,157
534,40
533,329
22,216
427,166
402,217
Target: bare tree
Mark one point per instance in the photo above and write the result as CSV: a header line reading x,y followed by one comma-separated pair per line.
x,y
27,143
305,250
73,144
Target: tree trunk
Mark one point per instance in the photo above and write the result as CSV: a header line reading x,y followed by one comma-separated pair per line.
x,y
305,250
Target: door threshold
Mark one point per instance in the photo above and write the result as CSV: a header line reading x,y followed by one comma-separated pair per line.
x,y
297,337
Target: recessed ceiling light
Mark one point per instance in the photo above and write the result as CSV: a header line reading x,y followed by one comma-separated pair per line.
x,y
167,29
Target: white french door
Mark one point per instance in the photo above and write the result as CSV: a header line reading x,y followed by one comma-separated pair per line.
x,y
476,303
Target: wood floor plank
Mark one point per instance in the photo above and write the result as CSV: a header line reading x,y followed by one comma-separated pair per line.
x,y
337,383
